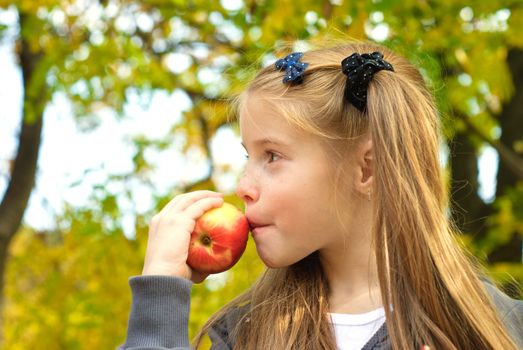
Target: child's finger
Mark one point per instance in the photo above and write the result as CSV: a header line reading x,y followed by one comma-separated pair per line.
x,y
187,199
180,201
197,209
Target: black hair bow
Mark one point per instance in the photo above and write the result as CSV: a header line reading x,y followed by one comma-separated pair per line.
x,y
359,70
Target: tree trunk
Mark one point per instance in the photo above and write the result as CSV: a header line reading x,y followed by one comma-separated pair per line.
x,y
511,123
468,209
22,177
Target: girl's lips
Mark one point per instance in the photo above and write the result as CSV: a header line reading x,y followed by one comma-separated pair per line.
x,y
255,227
253,224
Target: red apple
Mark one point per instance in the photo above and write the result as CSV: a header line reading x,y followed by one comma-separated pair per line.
x,y
218,240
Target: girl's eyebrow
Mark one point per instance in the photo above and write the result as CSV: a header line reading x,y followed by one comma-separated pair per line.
x,y
267,140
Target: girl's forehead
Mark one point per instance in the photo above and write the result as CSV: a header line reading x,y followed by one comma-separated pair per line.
x,y
259,131
258,116
258,106
256,111
264,115
253,102
257,125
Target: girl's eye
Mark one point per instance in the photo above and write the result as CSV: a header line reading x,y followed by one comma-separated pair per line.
x,y
272,156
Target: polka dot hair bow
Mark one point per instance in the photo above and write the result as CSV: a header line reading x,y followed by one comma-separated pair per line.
x,y
359,70
293,67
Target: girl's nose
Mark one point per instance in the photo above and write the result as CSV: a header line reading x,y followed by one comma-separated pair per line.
x,y
247,190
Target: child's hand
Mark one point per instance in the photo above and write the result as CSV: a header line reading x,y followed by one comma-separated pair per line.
x,y
170,234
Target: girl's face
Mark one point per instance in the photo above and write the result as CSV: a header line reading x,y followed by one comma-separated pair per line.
x,y
286,187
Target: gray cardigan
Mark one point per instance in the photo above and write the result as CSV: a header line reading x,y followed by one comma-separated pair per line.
x,y
159,317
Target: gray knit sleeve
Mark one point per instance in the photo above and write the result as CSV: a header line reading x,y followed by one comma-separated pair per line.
x,y
510,311
514,322
159,314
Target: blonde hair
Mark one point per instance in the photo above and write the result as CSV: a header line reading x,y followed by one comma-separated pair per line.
x,y
434,291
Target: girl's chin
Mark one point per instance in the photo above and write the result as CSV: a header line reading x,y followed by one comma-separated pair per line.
x,y
272,261
267,259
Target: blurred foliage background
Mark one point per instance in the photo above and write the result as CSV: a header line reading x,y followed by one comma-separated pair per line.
x,y
67,289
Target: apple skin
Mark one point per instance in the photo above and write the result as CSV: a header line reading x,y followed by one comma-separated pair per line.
x,y
218,240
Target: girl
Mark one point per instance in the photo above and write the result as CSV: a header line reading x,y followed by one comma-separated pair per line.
x,y
348,209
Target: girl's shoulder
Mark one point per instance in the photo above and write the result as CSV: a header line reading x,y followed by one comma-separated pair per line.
x,y
222,331
509,310
504,304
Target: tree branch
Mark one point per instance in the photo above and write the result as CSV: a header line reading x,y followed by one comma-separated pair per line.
x,y
511,158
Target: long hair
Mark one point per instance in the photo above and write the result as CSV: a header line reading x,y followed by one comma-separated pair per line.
x,y
432,288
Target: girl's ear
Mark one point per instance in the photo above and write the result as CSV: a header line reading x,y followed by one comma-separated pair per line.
x,y
365,167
